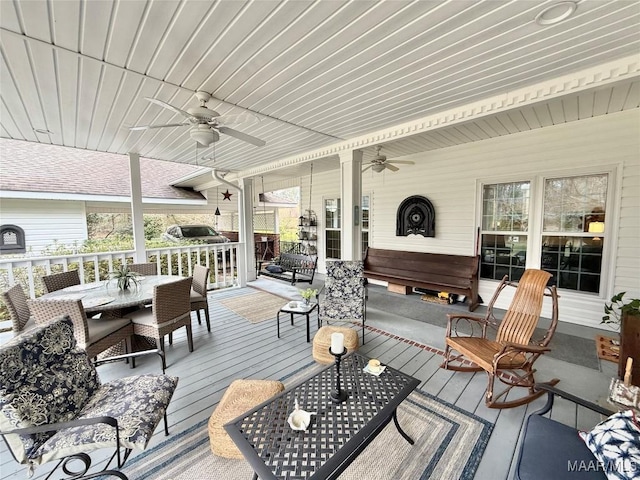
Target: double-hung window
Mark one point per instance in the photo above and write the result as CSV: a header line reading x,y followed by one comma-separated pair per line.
x,y
566,238
332,228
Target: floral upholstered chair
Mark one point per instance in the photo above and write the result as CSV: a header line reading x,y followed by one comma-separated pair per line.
x,y
54,407
344,293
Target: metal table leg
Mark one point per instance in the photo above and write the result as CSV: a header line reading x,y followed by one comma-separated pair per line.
x,y
404,435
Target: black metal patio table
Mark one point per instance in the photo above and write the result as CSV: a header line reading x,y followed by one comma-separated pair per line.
x,y
338,433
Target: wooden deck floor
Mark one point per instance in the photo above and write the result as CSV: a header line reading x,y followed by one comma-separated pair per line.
x,y
236,348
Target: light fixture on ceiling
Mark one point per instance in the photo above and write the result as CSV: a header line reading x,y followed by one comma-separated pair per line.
x,y
378,167
204,135
43,131
556,13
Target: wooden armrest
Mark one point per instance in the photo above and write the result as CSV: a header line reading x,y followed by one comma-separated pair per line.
x,y
452,317
522,348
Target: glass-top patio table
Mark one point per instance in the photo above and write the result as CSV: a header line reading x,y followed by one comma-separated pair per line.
x,y
338,432
105,295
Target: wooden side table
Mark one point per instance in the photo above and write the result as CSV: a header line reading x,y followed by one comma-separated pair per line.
x,y
300,308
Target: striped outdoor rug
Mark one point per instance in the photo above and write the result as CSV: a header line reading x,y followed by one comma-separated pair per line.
x,y
255,307
449,443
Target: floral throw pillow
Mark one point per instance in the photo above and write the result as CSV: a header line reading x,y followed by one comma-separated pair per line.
x,y
615,443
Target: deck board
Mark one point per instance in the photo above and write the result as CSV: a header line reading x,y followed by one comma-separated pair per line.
x,y
236,348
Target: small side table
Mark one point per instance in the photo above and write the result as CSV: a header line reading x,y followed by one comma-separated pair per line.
x,y
301,308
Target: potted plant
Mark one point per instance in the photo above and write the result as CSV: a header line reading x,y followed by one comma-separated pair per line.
x,y
626,314
307,294
125,277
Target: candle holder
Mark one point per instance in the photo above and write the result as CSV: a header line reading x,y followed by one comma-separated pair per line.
x,y
338,395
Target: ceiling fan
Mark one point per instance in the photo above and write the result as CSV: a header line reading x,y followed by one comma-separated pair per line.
x,y
206,124
380,162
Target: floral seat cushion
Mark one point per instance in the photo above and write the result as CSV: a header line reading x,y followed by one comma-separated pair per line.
x,y
137,402
46,378
344,291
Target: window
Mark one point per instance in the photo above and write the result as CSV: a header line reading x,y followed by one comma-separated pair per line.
x,y
365,223
573,233
505,221
332,228
570,230
332,215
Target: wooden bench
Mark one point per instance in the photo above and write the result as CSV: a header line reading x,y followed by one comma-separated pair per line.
x,y
432,271
295,268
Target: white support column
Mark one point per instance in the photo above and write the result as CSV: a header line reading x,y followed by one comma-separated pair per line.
x,y
351,195
246,237
137,216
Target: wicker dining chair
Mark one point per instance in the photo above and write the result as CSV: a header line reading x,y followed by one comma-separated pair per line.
x,y
58,281
170,310
510,357
16,302
199,293
144,268
93,335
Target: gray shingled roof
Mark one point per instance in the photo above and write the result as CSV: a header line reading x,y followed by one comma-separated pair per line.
x,y
36,167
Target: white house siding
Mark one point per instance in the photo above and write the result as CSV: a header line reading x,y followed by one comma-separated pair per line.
x,y
449,178
45,221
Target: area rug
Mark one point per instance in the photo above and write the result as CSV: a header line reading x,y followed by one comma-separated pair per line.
x,y
255,307
449,443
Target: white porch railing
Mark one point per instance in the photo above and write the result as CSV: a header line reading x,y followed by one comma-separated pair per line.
x,y
222,260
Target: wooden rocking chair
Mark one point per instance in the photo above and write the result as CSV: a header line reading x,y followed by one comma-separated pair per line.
x,y
511,355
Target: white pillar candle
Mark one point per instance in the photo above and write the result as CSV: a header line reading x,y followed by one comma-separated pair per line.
x,y
337,343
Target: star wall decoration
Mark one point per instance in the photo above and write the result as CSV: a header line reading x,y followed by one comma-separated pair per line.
x,y
227,195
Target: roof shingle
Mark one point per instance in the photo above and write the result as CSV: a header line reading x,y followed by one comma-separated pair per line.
x,y
37,167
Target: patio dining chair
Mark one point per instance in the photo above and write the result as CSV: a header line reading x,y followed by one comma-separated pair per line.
x,y
199,293
58,281
170,310
343,296
511,355
16,302
144,268
93,335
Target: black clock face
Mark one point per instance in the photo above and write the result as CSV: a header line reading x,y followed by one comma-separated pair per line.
x,y
416,217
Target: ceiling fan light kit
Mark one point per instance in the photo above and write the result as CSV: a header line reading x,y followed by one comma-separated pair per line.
x,y
204,135
206,124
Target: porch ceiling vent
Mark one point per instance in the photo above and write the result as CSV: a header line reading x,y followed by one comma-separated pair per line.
x,y
416,216
12,240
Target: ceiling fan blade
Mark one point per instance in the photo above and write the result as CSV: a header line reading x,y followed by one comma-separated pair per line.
x,y
172,108
148,127
391,167
242,136
403,162
246,118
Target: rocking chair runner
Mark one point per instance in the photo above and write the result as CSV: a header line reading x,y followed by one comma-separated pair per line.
x,y
511,355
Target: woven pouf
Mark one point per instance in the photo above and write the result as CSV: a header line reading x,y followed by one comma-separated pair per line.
x,y
241,396
322,342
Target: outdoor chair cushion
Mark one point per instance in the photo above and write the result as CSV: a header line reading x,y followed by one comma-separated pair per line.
x,y
46,378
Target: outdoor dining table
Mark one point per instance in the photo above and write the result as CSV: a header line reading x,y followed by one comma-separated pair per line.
x,y
105,296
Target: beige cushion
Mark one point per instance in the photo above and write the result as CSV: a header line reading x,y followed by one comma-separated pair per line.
x,y
98,329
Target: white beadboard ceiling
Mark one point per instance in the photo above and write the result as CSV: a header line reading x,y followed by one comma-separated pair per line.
x,y
314,72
